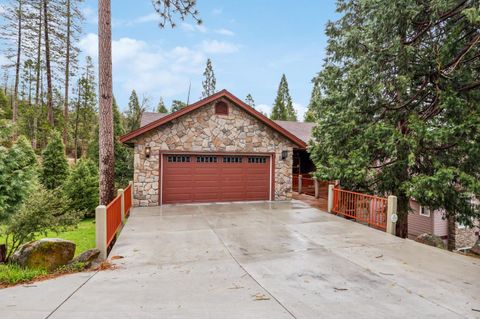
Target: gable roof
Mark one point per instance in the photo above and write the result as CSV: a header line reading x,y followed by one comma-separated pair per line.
x,y
225,94
302,130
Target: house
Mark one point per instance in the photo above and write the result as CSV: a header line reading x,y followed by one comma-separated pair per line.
x,y
217,149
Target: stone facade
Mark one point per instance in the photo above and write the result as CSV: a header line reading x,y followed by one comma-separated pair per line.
x,y
466,237
202,130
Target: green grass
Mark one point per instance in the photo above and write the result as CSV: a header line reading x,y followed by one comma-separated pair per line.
x,y
83,235
13,274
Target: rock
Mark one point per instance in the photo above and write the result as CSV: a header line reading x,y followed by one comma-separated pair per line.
x,y
87,257
431,240
476,248
47,253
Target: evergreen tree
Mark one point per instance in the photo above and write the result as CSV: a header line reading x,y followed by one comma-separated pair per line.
x,y
283,106
209,82
3,103
123,153
177,105
54,163
81,187
135,111
161,108
400,103
18,175
249,100
314,105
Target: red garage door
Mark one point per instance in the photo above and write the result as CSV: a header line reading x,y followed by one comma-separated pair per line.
x,y
215,178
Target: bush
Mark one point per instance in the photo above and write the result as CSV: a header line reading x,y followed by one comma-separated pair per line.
x,y
18,175
42,211
81,187
55,165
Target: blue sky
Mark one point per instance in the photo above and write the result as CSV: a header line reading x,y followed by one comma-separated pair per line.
x,y
251,43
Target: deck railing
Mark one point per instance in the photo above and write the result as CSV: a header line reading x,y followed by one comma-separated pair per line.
x,y
110,219
364,208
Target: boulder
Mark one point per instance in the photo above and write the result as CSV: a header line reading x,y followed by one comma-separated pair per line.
x,y
47,253
476,248
87,257
431,240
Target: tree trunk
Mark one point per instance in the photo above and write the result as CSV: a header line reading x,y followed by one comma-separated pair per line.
x,y
67,78
106,154
75,150
452,231
47,64
37,88
17,69
401,229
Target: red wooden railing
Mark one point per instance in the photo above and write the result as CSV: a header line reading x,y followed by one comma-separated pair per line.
x,y
127,195
114,218
295,182
308,184
361,207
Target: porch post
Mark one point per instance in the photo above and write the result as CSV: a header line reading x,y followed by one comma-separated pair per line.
x,y
122,205
316,182
101,230
131,192
299,183
330,197
391,214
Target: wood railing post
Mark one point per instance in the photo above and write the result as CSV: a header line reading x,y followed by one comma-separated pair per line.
x,y
131,193
391,214
316,182
101,230
299,183
122,205
330,197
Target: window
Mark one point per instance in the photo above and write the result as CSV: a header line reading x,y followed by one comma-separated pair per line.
x,y
257,160
178,159
424,211
221,108
232,159
206,159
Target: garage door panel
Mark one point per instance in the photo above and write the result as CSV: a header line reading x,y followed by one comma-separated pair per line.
x,y
224,180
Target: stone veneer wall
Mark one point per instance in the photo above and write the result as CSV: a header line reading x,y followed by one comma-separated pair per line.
x,y
202,130
466,237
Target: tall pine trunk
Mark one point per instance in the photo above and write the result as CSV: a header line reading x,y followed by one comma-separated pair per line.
x,y
67,78
17,68
47,64
106,153
38,83
75,138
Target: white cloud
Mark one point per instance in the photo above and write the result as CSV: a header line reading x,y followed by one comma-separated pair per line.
x,y
193,28
152,17
90,14
2,9
224,31
264,108
218,47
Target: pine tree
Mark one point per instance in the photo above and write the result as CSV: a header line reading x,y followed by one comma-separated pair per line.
x,y
283,106
177,105
161,108
54,163
249,100
135,110
314,105
18,175
401,105
209,82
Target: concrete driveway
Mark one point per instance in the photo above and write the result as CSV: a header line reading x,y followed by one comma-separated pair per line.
x,y
257,260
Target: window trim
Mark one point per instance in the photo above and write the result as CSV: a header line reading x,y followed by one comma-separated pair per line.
x,y
421,213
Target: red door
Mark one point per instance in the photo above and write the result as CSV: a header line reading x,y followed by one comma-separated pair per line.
x,y
215,178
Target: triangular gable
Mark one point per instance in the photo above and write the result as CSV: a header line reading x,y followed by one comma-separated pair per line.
x,y
225,94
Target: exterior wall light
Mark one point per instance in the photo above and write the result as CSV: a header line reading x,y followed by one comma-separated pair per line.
x,y
284,155
147,152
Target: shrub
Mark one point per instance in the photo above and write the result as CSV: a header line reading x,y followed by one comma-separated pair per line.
x,y
81,187
18,175
42,211
55,165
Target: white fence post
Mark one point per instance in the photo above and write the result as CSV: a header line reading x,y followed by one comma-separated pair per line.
x,y
391,214
330,197
316,182
122,205
131,192
101,230
299,183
